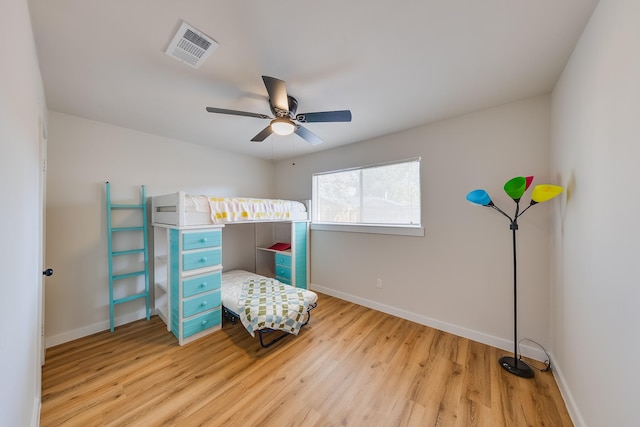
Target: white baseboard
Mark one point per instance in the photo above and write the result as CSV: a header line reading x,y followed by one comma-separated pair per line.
x,y
501,343
35,414
54,340
569,402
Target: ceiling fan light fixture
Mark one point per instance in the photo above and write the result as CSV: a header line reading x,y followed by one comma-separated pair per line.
x,y
282,126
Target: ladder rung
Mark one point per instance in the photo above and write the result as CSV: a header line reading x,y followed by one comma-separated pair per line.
x,y
130,251
124,276
125,206
127,229
130,298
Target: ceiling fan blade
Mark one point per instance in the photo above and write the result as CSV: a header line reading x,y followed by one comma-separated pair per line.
x,y
277,93
237,113
307,135
264,134
325,116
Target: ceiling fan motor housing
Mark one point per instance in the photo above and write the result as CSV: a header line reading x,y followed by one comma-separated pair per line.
x,y
293,107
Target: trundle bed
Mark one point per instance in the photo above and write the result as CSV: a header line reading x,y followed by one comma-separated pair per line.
x,y
287,308
192,292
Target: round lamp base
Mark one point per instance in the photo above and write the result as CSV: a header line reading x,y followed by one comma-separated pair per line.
x,y
516,367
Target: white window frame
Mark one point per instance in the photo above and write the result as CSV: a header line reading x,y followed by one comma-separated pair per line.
x,y
396,229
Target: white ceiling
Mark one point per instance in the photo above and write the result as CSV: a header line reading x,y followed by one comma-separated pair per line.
x,y
394,64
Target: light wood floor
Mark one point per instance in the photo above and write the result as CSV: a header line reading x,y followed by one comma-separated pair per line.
x,y
350,366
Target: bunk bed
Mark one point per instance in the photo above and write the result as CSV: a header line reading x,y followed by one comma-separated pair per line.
x,y
283,308
188,273
182,210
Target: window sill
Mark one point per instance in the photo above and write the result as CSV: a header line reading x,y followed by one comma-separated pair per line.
x,y
371,229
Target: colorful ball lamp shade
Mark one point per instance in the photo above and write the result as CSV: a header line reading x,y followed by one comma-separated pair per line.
x,y
479,197
529,180
542,193
515,188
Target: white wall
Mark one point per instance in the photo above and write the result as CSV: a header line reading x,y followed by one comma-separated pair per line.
x,y
21,111
459,277
82,155
596,140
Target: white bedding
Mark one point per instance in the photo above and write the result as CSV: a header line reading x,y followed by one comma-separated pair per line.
x,y
196,203
232,282
237,209
181,209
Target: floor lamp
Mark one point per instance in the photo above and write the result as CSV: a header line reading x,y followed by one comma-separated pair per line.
x,y
515,188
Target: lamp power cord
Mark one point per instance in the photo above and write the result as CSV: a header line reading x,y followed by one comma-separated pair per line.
x,y
547,362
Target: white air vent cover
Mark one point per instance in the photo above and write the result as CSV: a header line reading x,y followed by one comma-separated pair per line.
x,y
191,46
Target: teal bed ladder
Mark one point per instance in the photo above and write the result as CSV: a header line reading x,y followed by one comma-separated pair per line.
x,y
144,250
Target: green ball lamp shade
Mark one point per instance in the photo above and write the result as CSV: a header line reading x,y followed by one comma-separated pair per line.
x,y
542,193
479,197
516,187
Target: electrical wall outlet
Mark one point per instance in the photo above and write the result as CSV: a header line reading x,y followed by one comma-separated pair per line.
x,y
379,284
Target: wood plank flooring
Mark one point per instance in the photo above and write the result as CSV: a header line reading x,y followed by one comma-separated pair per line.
x,y
350,366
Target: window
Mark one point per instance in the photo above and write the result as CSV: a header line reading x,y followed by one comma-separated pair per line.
x,y
386,195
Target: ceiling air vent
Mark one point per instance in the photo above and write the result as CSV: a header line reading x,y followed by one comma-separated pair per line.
x,y
191,46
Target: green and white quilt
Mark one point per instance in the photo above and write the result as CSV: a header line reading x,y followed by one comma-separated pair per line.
x,y
270,304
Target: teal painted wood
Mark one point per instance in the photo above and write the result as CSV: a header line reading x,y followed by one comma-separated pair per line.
x,y
195,278
110,251
174,282
113,278
203,239
199,304
201,323
127,229
201,259
200,284
301,233
283,259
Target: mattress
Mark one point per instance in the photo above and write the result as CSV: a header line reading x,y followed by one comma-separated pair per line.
x,y
232,282
184,210
235,209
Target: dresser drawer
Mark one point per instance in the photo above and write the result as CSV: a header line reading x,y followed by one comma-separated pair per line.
x,y
283,274
201,239
199,304
201,284
201,259
201,323
283,260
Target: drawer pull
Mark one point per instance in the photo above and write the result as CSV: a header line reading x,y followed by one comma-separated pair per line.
x,y
204,240
204,322
204,303
203,259
203,284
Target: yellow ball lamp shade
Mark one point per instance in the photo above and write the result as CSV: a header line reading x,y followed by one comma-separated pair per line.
x,y
543,192
516,187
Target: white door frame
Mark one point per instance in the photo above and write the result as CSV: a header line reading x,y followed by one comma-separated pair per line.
x,y
42,135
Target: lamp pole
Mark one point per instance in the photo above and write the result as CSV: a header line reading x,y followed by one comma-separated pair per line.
x,y
514,364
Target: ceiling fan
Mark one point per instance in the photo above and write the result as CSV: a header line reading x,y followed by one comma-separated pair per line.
x,y
284,108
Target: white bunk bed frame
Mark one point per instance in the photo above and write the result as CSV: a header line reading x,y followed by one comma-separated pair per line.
x,y
170,209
